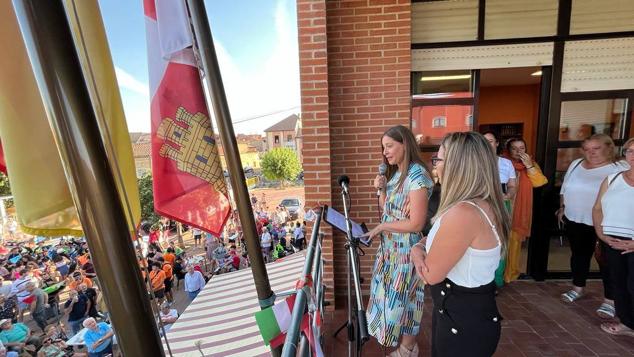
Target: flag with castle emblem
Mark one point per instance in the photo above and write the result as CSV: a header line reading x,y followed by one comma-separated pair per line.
x,y
188,179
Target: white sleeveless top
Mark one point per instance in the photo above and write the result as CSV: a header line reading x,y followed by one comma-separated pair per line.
x,y
477,266
617,205
581,187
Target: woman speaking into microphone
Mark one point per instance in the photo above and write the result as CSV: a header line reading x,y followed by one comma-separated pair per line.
x,y
396,293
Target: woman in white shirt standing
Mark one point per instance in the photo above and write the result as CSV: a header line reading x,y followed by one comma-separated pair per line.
x,y
578,193
464,247
265,243
508,179
613,217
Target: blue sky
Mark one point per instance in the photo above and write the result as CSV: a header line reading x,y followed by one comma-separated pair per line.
x,y
256,43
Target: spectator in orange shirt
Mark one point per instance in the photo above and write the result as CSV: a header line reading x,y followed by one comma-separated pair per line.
x,y
78,279
169,277
83,259
170,257
157,280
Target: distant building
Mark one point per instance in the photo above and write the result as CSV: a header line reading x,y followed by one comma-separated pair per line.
x,y
249,156
142,152
285,133
253,140
247,146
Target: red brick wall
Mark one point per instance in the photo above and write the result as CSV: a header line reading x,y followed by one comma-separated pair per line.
x,y
313,63
367,47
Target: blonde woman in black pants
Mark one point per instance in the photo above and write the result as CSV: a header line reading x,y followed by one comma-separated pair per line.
x,y
613,216
463,249
578,193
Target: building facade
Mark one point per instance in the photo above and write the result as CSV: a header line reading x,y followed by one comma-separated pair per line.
x,y
142,153
550,71
285,133
249,156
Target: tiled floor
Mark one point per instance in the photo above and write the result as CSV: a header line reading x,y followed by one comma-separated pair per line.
x,y
536,323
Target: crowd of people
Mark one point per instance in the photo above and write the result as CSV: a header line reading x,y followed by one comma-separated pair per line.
x,y
459,229
280,234
34,278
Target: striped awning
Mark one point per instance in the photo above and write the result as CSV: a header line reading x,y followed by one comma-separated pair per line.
x,y
221,318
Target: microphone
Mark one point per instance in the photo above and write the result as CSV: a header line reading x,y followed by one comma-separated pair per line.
x,y
382,171
343,181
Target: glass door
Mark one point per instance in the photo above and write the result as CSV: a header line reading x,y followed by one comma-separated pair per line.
x,y
442,102
582,115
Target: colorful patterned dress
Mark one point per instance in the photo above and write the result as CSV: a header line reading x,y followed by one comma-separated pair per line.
x,y
400,310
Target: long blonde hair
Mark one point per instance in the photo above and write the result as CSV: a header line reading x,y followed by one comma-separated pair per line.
x,y
403,135
471,172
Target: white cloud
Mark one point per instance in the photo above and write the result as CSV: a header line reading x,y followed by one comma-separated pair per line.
x,y
137,112
126,80
271,87
136,101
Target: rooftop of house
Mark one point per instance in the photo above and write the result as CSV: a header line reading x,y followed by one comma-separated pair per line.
x,y
287,124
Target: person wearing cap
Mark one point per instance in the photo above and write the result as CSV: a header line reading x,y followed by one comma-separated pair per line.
x,y
39,305
168,316
78,279
98,338
16,337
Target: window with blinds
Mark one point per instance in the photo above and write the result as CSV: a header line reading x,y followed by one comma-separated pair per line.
x,y
598,65
592,16
520,18
444,21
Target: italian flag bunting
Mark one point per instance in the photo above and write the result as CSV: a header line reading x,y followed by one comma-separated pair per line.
x,y
274,321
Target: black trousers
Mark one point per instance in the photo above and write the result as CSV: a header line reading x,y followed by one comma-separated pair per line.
x,y
621,267
465,321
583,240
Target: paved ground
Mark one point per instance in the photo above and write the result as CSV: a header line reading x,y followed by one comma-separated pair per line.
x,y
535,324
274,196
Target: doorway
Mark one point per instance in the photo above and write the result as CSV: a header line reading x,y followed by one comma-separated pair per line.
x,y
509,105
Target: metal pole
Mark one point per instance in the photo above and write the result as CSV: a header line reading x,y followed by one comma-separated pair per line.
x,y
301,300
63,89
209,61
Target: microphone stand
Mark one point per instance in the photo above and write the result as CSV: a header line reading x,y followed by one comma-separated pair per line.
x,y
357,327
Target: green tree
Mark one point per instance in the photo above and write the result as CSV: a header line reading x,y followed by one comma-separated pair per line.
x,y
146,194
280,164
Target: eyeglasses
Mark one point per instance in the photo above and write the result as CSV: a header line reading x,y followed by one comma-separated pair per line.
x,y
435,160
628,152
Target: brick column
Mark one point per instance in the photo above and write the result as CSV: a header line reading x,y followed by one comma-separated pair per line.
x,y
313,62
369,64
355,64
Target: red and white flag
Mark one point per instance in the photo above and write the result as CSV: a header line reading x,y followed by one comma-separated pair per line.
x,y
188,179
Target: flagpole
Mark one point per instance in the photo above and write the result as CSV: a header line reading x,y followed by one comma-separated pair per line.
x,y
57,70
209,60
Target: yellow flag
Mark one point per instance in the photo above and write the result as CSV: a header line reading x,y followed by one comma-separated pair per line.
x,y
41,195
92,47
